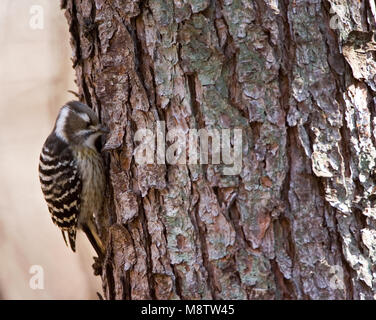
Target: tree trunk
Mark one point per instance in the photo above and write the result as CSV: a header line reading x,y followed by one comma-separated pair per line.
x,y
298,78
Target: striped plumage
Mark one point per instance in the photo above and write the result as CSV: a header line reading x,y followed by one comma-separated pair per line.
x,y
61,185
71,173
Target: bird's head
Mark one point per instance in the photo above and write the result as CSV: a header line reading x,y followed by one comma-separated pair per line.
x,y
78,125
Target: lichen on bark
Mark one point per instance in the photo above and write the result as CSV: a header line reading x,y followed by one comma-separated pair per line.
x,y
298,221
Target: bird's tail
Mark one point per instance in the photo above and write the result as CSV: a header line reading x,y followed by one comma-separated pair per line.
x,y
71,238
91,233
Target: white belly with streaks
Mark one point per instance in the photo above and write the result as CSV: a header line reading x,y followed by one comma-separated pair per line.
x,y
93,183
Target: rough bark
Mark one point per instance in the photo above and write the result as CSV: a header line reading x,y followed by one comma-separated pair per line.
x,y
298,222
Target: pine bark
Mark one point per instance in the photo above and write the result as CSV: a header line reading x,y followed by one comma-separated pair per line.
x,y
298,77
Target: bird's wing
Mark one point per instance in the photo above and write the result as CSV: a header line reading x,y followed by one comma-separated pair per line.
x,y
61,186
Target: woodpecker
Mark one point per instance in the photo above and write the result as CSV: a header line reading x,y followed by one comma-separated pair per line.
x,y
71,173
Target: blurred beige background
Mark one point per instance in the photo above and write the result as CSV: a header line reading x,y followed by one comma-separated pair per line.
x,y
35,74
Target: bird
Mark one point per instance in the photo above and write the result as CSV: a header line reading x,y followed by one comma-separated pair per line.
x,y
72,174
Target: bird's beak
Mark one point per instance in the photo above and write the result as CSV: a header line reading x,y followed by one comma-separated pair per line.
x,y
103,129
